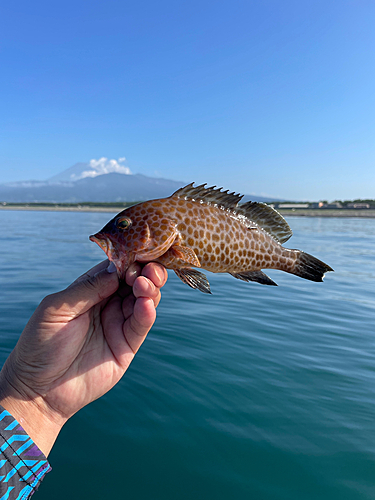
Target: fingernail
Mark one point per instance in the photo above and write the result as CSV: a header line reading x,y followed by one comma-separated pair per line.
x,y
111,268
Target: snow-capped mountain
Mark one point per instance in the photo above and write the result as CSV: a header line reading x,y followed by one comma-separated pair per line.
x,y
96,181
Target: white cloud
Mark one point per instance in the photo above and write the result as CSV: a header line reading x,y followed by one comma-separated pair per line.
x,y
101,167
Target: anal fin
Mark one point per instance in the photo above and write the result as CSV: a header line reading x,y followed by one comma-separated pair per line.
x,y
194,278
258,276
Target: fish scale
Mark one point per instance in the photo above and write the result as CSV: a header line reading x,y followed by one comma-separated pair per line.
x,y
206,228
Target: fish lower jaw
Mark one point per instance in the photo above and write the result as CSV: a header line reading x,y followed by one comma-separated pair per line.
x,y
102,242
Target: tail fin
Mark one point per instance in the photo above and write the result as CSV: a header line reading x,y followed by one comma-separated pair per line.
x,y
310,268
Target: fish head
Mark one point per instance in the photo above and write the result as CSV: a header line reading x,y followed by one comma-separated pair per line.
x,y
122,238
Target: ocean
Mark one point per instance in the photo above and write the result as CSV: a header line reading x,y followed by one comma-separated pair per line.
x,y
254,392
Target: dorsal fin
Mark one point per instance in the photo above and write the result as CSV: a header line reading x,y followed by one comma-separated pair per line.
x,y
267,218
209,195
261,214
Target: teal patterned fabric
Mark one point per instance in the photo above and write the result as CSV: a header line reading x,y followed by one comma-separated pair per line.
x,y
22,464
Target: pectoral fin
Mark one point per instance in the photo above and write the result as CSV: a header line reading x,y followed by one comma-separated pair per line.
x,y
177,256
185,254
194,278
258,276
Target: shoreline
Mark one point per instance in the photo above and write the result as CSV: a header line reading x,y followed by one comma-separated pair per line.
x,y
365,213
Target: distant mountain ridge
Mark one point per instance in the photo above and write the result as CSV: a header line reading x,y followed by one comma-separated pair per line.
x,y
107,187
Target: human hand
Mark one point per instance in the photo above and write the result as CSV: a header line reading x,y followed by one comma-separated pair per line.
x,y
77,346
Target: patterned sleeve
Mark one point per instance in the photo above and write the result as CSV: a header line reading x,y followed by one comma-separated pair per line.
x,y
22,464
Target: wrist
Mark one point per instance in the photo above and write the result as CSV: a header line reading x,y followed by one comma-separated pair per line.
x,y
32,413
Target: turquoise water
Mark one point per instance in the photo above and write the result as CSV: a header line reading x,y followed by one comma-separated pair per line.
x,y
255,392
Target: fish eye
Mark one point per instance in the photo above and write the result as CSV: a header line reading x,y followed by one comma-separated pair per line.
x,y
123,223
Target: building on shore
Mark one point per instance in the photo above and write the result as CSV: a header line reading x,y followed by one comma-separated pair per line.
x,y
334,204
294,205
358,205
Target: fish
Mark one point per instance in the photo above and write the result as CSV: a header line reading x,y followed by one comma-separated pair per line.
x,y
206,228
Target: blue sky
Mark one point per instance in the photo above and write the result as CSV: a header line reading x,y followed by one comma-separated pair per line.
x,y
265,97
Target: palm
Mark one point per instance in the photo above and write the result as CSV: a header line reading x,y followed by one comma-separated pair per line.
x,y
88,368
96,363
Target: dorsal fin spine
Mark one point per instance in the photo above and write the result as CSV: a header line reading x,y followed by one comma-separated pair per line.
x,y
210,195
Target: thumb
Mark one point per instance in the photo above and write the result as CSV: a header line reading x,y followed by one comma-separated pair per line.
x,y
86,292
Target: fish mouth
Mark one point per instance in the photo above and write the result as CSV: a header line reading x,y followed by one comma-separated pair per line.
x,y
121,262
101,240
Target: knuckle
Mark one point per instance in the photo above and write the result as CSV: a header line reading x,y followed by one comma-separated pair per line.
x,y
90,283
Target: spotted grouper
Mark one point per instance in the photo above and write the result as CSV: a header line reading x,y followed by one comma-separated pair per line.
x,y
206,228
